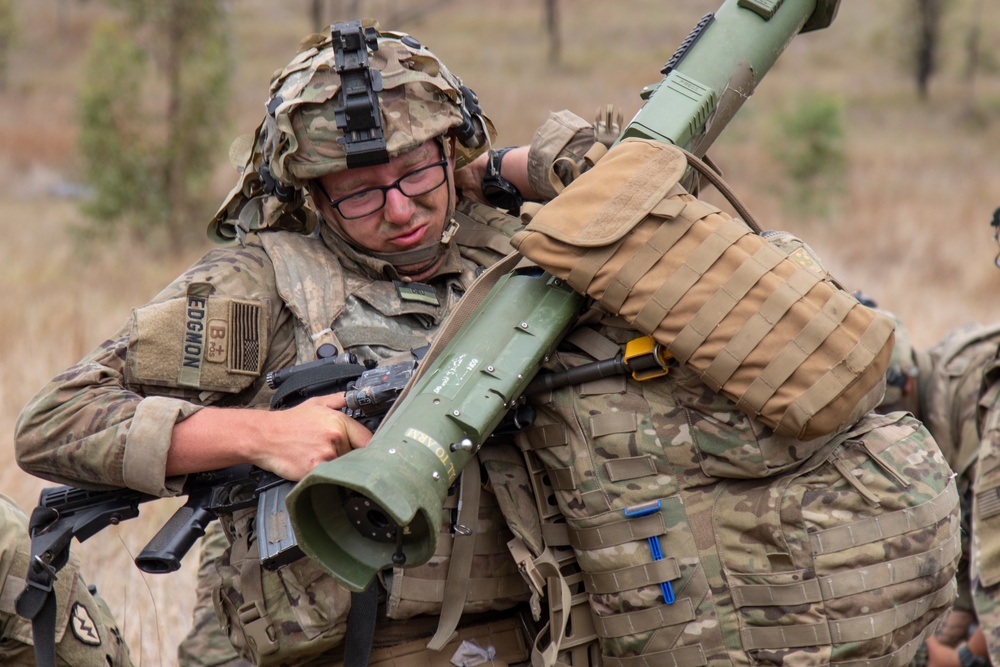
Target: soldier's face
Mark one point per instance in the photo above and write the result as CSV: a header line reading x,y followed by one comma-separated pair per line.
x,y
403,222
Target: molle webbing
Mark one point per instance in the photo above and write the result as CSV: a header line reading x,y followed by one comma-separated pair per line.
x,y
881,527
547,563
846,583
485,544
686,276
635,576
479,590
619,532
796,352
759,325
619,470
644,620
593,343
464,539
848,630
722,302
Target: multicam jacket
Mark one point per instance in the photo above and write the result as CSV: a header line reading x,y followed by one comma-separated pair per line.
x,y
985,545
237,314
86,634
210,338
949,376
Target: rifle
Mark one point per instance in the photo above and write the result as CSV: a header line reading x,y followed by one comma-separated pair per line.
x,y
66,512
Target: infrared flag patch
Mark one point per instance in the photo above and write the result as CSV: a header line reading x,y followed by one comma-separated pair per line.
x,y
83,626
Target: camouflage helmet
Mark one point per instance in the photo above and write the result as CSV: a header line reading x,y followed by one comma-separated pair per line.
x,y
300,140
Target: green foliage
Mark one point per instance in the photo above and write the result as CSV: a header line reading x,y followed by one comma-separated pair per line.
x,y
152,112
117,163
8,36
810,149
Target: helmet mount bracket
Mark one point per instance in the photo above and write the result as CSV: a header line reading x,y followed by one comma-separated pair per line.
x,y
357,113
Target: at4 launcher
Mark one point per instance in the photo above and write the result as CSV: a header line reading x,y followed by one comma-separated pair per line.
x,y
379,507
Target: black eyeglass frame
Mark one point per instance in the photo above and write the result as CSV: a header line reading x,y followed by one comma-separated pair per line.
x,y
384,189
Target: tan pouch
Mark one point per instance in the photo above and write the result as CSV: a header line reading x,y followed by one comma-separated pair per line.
x,y
788,346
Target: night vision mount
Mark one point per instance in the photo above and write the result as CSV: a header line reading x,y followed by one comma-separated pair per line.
x,y
357,112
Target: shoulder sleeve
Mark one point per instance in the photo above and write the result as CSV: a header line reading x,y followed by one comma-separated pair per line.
x,y
557,153
108,420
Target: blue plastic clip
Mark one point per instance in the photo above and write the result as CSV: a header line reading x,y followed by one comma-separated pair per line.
x,y
654,543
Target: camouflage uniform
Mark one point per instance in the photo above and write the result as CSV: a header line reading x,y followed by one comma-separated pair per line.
x,y
703,538
985,557
743,556
777,551
86,633
942,387
377,323
206,644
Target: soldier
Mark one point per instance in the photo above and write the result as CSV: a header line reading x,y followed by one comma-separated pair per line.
x,y
985,547
662,523
941,386
739,543
86,633
349,242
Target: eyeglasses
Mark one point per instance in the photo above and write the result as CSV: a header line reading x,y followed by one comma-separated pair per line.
x,y
414,184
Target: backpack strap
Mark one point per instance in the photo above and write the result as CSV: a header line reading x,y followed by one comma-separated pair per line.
x,y
310,280
456,584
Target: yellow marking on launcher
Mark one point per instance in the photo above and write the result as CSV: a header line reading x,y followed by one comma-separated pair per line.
x,y
435,446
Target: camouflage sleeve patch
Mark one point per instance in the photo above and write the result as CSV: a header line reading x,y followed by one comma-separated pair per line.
x,y
198,340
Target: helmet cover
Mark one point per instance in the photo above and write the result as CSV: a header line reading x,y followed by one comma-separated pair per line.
x,y
299,139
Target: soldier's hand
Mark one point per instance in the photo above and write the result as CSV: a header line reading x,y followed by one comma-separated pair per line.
x,y
308,434
289,442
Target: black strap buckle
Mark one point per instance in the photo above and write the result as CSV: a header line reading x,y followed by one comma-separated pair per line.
x,y
357,113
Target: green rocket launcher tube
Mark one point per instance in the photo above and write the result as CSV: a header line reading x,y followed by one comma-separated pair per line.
x,y
718,67
380,506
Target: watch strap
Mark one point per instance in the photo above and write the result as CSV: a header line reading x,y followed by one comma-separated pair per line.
x,y
967,658
498,190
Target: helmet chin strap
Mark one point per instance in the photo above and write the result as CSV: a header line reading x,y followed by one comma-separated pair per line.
x,y
417,260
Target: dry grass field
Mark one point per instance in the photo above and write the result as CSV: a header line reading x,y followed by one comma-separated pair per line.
x,y
911,228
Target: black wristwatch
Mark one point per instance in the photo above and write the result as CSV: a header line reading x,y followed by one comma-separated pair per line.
x,y
498,190
967,658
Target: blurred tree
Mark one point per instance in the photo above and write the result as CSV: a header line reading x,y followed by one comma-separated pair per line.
x,y
552,30
8,31
926,48
151,110
973,58
810,147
